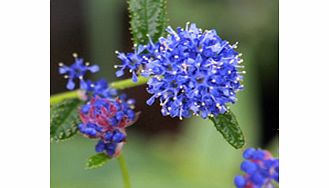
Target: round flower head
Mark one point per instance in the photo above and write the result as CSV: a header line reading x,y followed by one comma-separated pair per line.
x,y
191,72
76,71
260,168
195,73
106,119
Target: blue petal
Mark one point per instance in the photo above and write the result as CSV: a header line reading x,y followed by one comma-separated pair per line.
x,y
118,137
70,84
100,146
134,78
240,181
64,69
257,179
91,132
150,101
78,62
108,136
204,114
85,108
140,49
120,115
83,85
259,155
122,56
248,167
248,153
119,73
93,68
193,28
113,121
81,127
131,114
110,149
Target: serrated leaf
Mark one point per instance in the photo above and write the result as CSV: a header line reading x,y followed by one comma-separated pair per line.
x,y
64,119
147,17
97,160
228,126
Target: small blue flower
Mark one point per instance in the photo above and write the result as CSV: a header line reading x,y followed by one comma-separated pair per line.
x,y
260,167
191,72
134,62
76,71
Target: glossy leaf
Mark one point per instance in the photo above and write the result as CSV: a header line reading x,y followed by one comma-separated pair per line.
x,y
97,160
64,119
228,126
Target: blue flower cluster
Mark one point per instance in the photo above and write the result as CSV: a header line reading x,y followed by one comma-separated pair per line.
x,y
191,72
105,115
260,168
134,62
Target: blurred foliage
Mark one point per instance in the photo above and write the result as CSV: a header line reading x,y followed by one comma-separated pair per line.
x,y
199,156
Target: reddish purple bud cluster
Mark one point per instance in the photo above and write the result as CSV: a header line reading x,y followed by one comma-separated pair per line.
x,y
106,119
261,169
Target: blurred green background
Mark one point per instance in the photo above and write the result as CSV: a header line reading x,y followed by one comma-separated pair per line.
x,y
165,152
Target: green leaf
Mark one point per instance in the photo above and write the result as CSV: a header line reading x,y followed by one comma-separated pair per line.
x,y
97,160
228,125
147,17
64,119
